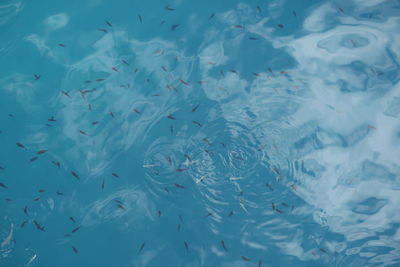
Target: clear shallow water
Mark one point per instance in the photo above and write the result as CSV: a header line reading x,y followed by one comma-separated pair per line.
x,y
282,139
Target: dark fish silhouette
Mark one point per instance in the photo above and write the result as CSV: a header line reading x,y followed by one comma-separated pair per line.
x,y
33,159
245,258
95,122
41,152
140,18
66,94
195,108
38,226
82,132
121,207
102,185
37,77
24,223
181,170
102,30
100,80
141,247
60,193
173,27
75,229
179,186
253,38
185,83
75,250
26,210
3,185
56,163
72,219
211,16
41,190
186,246
75,175
168,8
61,45
171,117
51,119
20,145
281,25
115,175
108,23
197,123
230,213
137,111
223,245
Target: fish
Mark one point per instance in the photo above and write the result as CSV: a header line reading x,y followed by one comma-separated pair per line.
x,y
173,27
211,16
75,175
164,68
36,199
323,250
75,229
178,228
56,163
75,250
137,111
117,201
258,9
41,152
121,207
159,213
111,114
102,30
259,263
95,122
168,8
37,77
102,185
206,140
140,18
281,25
20,145
245,258
72,219
108,23
66,94
253,38
197,123
24,223
60,193
186,246
223,245
3,185
273,206
38,226
83,132
100,80
294,14
141,247
41,190
171,117
179,186
33,159
115,69
61,45
162,22
238,26
124,61
26,210
2,168
234,71
115,175
279,211
270,187
181,170
51,119
185,83
341,10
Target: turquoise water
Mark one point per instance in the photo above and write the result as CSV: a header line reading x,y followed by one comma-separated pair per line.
x,y
199,133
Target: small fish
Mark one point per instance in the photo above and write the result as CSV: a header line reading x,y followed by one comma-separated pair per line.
x,y
258,9
294,14
256,74
173,27
181,170
111,114
11,115
37,77
75,175
281,25
108,23
33,159
234,71
259,263
102,185
26,210
36,199
83,132
206,140
100,80
102,30
90,107
60,193
24,223
61,45
159,213
211,16
171,117
141,247
238,26
117,201
279,211
66,94
168,8
253,38
223,245
185,83
273,206
20,145
178,228
115,175
51,119
38,226
41,152
162,22
171,128
56,163
197,123
270,70
284,204
3,185
164,68
323,250
95,122
179,186
140,19
41,190
75,229
115,69
186,246
245,258
124,61
72,219
75,250
341,10
270,187
137,111
121,207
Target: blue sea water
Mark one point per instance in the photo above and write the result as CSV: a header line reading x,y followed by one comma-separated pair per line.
x,y
199,133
